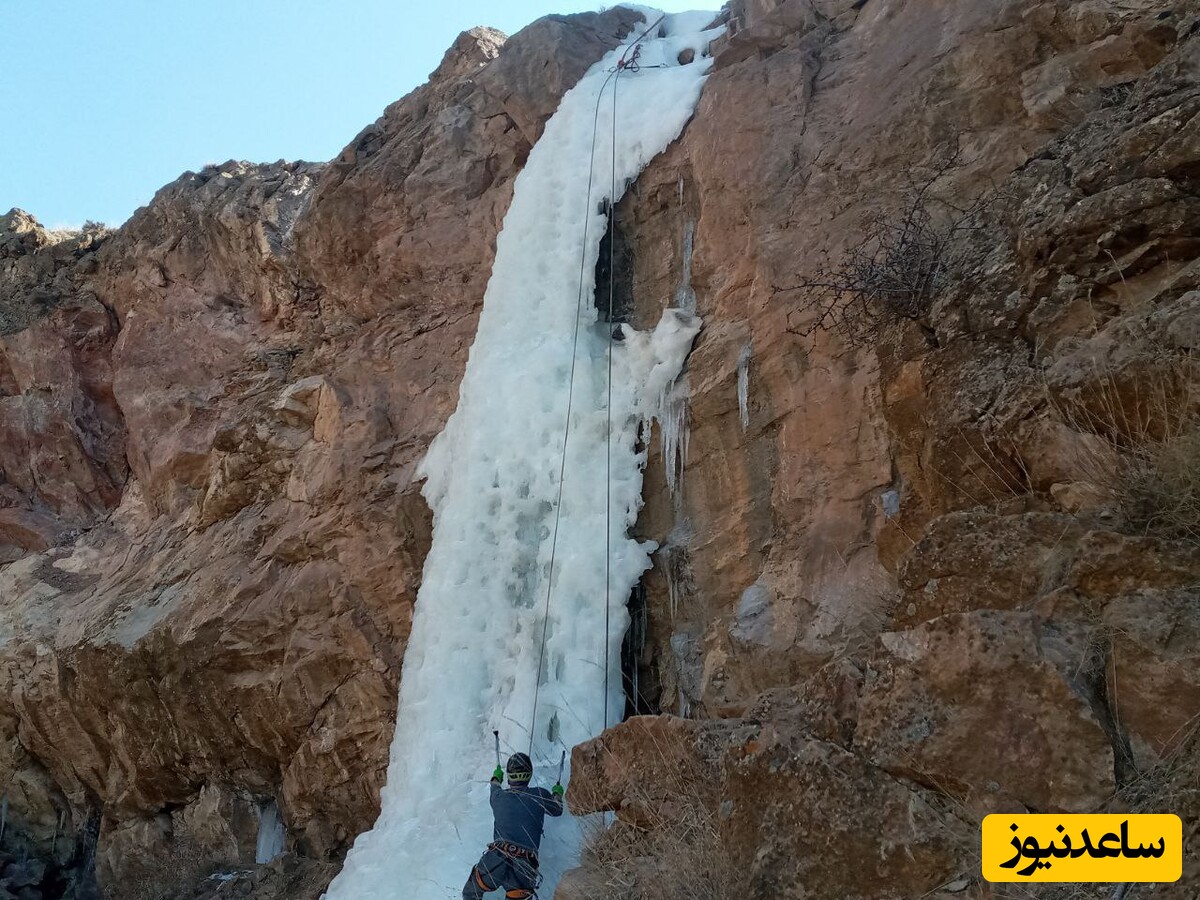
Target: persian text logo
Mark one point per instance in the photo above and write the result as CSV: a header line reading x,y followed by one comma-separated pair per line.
x,y
1111,848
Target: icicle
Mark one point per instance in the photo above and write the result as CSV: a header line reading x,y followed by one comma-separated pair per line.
x,y
672,589
673,415
272,835
743,377
685,296
673,426
651,362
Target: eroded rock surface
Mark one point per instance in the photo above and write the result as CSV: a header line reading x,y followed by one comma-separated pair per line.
x,y
903,581
61,431
928,547
209,425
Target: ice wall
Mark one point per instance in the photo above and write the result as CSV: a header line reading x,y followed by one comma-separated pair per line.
x,y
492,480
272,836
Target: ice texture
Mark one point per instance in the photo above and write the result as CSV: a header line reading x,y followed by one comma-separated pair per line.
x,y
743,385
492,481
272,836
685,294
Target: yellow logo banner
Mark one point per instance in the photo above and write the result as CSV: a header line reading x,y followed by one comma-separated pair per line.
x,y
1113,848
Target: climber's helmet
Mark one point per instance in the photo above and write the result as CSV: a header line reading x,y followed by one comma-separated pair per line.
x,y
520,769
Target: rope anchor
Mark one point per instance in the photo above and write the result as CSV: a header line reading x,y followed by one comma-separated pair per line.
x,y
631,65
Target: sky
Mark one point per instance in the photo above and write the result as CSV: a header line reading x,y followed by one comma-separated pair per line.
x,y
106,102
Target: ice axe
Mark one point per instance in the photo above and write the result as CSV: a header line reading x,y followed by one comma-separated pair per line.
x,y
562,761
496,735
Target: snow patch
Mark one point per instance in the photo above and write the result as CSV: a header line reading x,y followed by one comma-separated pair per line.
x,y
891,504
654,363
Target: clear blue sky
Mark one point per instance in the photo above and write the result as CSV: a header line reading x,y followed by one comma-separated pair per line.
x,y
107,101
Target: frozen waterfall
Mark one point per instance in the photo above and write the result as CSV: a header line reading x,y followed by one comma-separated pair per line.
x,y
492,480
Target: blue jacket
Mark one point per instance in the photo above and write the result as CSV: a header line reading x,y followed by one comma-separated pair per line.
x,y
521,814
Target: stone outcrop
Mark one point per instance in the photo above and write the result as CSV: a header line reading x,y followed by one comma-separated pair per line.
x,y
793,815
61,431
209,425
904,581
886,545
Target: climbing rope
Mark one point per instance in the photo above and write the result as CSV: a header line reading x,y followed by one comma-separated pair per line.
x,y
562,469
612,281
623,65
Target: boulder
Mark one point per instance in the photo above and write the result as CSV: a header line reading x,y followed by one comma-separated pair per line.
x,y
968,705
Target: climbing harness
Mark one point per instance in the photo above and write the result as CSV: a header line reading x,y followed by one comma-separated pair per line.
x,y
520,857
628,62
515,851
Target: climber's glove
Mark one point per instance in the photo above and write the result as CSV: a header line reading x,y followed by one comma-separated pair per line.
x,y
558,790
498,775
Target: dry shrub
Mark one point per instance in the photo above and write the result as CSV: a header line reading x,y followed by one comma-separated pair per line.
x,y
179,868
675,855
668,843
901,263
1142,447
1173,786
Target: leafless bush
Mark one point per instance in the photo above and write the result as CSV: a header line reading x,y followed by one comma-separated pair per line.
x,y
1142,447
668,843
180,866
902,262
682,856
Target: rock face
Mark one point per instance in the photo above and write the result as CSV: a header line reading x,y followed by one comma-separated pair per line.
x,y
61,431
795,814
209,423
936,566
884,542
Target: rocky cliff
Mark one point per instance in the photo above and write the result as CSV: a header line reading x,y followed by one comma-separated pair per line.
x,y
935,545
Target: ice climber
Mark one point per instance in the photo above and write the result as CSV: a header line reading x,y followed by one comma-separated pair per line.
x,y
511,860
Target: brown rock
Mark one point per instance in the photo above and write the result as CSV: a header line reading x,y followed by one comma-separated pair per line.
x,y
239,620
642,753
1153,674
61,432
238,441
972,561
966,704
1108,565
785,811
799,807
798,138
